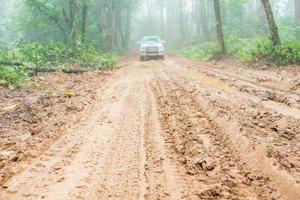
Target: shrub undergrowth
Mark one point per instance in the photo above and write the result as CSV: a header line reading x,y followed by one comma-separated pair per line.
x,y
13,75
249,50
51,55
203,52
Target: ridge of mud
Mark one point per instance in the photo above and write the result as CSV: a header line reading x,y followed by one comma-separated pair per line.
x,y
205,158
281,86
42,114
254,156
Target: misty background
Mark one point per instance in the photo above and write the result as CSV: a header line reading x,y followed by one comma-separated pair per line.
x,y
118,24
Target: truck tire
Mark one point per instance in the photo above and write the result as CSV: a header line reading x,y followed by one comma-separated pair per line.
x,y
142,58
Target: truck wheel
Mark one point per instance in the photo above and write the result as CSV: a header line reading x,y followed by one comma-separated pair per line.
x,y
162,57
142,58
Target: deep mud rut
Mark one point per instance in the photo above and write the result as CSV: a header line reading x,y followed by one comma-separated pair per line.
x,y
173,130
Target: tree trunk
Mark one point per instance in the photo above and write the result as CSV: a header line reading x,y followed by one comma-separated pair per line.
x,y
162,18
127,29
181,21
169,22
84,20
73,15
103,25
51,17
297,17
204,20
271,21
219,25
196,15
114,28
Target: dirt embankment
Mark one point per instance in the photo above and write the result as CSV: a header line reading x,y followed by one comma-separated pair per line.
x,y
173,129
32,118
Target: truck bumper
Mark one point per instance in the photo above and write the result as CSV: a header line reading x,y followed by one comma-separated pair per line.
x,y
151,54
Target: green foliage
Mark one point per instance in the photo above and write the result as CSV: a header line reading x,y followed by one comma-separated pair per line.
x,y
14,75
91,58
52,55
261,48
242,48
7,53
38,54
108,60
249,50
286,53
203,52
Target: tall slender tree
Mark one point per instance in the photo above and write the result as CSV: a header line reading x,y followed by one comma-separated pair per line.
x,y
271,21
181,20
84,19
219,26
72,21
204,19
297,17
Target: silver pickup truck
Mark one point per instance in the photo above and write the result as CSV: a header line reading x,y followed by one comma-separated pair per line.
x,y
152,47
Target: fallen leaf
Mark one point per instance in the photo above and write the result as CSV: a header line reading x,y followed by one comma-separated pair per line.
x,y
70,94
11,108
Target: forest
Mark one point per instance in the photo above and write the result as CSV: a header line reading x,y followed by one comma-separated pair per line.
x,y
150,99
46,35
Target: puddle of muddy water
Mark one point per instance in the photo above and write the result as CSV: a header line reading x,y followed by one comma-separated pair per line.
x,y
208,80
282,109
196,75
219,84
278,107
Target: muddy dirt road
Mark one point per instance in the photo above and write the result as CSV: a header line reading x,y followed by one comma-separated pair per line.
x,y
176,129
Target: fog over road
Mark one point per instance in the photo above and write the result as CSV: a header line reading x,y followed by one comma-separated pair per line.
x,y
176,129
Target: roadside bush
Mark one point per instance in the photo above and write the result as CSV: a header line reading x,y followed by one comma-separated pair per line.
x,y
286,53
35,57
51,54
261,48
89,57
108,60
54,54
203,52
8,53
13,75
240,48
249,50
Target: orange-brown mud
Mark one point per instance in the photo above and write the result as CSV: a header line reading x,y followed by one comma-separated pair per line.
x,y
173,129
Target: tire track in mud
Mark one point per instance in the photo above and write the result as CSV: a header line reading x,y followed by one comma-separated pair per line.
x,y
67,169
252,78
157,134
253,156
121,170
104,145
254,87
252,177
142,151
198,156
279,133
161,179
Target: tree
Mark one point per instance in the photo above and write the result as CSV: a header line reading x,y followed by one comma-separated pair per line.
x,y
297,17
84,20
219,26
297,11
181,20
48,11
271,22
71,19
204,19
